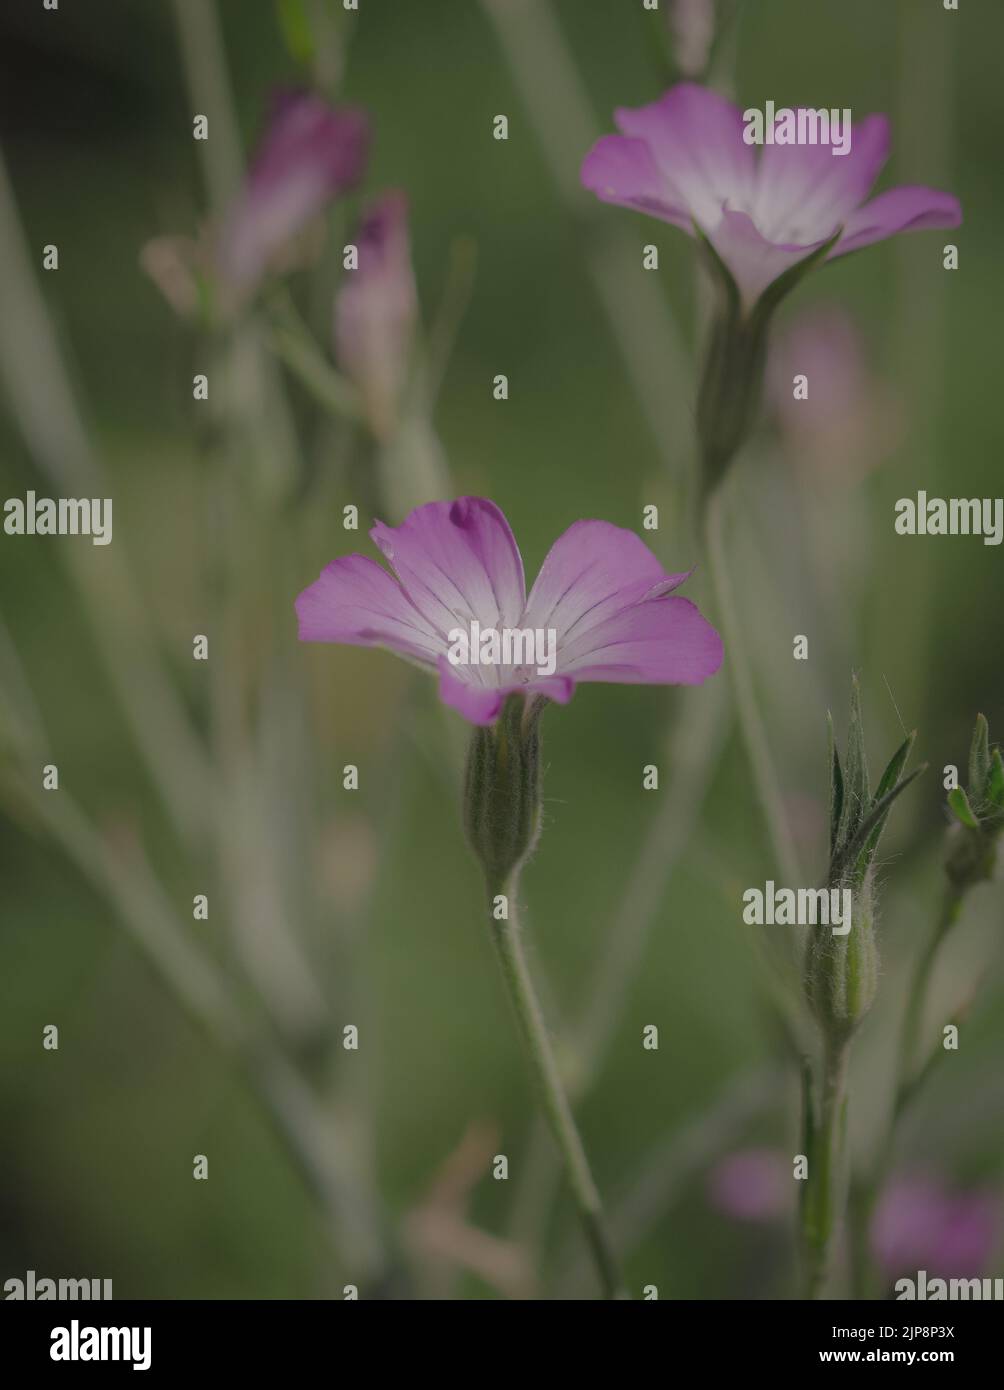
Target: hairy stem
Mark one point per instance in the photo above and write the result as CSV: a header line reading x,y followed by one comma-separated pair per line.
x,y
823,1210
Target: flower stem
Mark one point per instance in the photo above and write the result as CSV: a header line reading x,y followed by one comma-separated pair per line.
x,y
533,1031
916,999
822,1213
908,1080
750,721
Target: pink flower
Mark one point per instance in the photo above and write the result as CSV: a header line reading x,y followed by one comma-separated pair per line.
x,y
683,159
921,1224
601,601
752,1185
375,311
311,152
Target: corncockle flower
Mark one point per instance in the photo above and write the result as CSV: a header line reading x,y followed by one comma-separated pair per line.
x,y
605,604
600,589
310,153
921,1224
375,312
684,160
763,222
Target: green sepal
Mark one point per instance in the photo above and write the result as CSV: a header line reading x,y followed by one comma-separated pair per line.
x,y
887,782
958,803
836,785
979,760
502,790
995,789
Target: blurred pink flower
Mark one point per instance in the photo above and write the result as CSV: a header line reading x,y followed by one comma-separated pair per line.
x,y
921,1224
683,159
850,421
376,309
310,153
600,591
752,1185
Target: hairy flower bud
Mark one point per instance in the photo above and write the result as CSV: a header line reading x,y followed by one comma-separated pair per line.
x,y
502,790
841,972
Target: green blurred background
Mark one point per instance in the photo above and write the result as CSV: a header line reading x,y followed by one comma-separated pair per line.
x,y
374,887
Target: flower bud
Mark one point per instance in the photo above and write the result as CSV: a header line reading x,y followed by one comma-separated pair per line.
x,y
841,972
502,790
376,309
978,811
310,154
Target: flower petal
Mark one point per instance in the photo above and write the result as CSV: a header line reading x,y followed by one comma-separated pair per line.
x,y
479,704
458,561
621,170
804,192
753,261
696,140
661,641
592,572
909,208
355,600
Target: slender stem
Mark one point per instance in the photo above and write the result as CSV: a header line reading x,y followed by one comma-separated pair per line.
x,y
750,721
824,1200
917,998
533,1031
908,1080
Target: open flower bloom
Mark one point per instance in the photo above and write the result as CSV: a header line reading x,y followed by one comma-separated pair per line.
x,y
310,153
600,607
684,160
375,311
